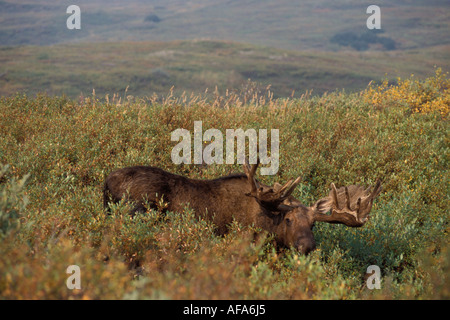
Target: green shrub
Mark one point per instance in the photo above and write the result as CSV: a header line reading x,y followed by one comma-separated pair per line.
x,y
13,202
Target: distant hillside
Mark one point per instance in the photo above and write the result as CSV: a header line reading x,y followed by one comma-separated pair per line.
x,y
194,66
297,25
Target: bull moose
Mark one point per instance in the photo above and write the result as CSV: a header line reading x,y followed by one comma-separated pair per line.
x,y
243,198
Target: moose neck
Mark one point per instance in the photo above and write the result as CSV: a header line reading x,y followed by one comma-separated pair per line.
x,y
270,221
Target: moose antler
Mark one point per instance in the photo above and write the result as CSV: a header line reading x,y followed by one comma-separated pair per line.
x,y
270,197
348,205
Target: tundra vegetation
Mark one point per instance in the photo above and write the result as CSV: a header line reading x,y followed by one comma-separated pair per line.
x,y
56,153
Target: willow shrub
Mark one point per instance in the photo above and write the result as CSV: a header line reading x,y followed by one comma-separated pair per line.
x,y
54,218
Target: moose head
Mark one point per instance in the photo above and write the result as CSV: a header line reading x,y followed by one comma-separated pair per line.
x,y
293,222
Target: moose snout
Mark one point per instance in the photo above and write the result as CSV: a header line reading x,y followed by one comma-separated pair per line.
x,y
305,244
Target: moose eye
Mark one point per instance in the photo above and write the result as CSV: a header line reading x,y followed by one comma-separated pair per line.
x,y
288,222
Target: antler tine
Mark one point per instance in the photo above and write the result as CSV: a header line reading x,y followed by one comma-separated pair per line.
x,y
254,167
250,172
292,187
376,189
285,186
334,194
358,205
347,196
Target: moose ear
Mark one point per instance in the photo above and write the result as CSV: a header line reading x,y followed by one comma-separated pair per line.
x,y
323,205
